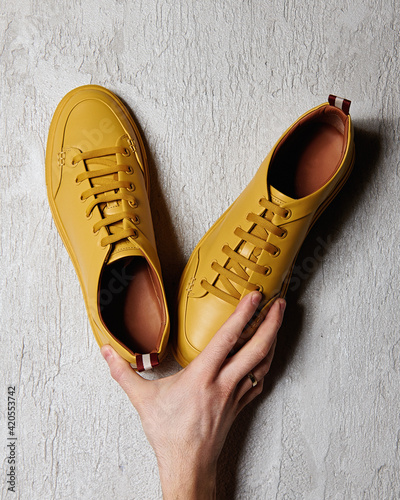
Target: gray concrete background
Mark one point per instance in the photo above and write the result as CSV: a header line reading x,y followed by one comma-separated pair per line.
x,y
213,84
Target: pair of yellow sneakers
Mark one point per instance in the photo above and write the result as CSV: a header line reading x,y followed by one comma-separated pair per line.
x,y
97,184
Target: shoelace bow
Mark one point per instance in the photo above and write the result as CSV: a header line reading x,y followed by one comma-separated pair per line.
x,y
107,190
235,269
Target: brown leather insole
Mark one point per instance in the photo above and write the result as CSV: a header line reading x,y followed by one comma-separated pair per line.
x,y
307,159
132,306
318,159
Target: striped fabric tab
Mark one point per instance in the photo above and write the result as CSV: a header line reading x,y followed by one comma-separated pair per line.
x,y
146,361
339,102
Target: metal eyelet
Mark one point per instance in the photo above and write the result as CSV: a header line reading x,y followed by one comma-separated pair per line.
x,y
132,204
129,171
276,253
83,199
260,288
126,152
284,234
268,271
136,220
131,187
135,235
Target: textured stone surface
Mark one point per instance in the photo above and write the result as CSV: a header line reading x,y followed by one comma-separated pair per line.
x,y
213,85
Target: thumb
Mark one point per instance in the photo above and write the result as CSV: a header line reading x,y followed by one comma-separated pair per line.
x,y
122,372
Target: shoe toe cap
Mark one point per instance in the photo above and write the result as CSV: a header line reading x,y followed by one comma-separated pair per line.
x,y
90,125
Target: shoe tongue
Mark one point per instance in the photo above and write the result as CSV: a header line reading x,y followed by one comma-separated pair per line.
x,y
278,197
247,249
112,207
123,249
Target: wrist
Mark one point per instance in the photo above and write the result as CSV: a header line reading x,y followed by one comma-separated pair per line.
x,y
185,481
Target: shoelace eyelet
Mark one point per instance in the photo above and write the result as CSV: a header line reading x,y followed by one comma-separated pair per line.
x,y
131,187
283,234
276,253
268,271
83,200
126,152
288,213
132,204
129,171
136,220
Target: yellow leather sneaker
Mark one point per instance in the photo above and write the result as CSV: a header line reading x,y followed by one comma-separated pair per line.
x,y
97,185
254,244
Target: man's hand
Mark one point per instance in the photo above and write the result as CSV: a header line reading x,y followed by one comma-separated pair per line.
x,y
187,416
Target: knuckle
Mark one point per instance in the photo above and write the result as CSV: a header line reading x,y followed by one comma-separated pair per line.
x,y
263,351
225,390
230,336
241,314
117,373
276,318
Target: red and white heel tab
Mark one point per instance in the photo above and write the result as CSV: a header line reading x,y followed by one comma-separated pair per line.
x,y
339,102
146,361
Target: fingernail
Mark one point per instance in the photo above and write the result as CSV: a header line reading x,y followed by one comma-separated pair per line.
x,y
106,352
282,305
256,298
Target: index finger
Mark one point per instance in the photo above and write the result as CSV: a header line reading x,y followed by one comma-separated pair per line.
x,y
217,350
